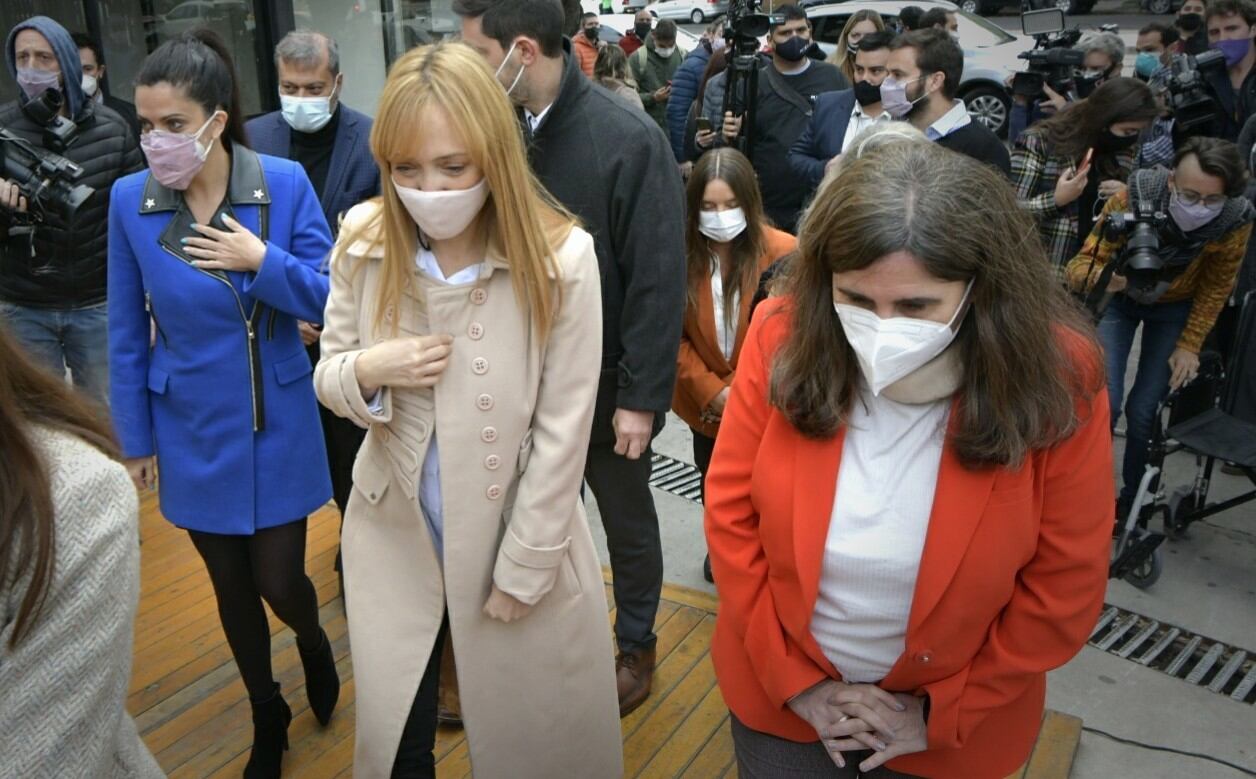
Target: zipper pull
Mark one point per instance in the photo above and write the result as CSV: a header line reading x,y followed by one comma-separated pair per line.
x,y
148,303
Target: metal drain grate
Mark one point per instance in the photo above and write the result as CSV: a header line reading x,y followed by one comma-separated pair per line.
x,y
1169,649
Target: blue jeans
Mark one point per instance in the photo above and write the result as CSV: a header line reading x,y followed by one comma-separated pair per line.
x,y
1162,326
77,339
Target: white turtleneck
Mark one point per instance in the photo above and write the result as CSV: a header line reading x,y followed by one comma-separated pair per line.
x,y
884,497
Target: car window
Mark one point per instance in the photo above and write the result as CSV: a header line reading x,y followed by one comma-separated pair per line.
x,y
829,28
978,33
608,34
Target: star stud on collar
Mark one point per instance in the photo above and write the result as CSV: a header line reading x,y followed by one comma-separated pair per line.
x,y
258,194
149,203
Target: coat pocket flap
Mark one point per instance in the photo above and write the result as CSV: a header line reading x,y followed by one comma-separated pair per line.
x,y
533,556
293,368
370,478
158,380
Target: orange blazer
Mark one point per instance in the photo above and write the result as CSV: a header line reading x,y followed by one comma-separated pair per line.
x,y
702,372
1011,581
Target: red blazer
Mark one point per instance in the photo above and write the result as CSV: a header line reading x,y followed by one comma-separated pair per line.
x,y
1011,580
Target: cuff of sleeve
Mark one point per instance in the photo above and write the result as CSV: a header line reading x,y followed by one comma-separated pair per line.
x,y
525,572
364,414
268,275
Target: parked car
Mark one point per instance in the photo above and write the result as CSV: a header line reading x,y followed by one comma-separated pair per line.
x,y
991,7
989,51
695,11
614,26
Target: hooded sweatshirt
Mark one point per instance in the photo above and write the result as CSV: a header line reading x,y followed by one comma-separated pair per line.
x,y
54,263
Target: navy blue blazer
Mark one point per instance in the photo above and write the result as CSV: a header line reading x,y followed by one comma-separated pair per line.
x,y
352,175
223,396
822,140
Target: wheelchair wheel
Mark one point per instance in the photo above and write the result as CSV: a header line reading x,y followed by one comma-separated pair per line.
x,y
1181,504
1148,571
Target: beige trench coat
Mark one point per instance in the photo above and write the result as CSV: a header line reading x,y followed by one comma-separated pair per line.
x,y
512,417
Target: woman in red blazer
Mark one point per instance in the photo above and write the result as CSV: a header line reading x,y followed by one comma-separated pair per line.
x,y
909,506
729,244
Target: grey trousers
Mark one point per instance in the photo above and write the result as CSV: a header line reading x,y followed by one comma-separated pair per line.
x,y
764,756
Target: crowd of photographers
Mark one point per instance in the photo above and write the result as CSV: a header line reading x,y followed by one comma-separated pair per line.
x,y
1138,186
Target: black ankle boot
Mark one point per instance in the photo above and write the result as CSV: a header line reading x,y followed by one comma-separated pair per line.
x,y
322,683
270,737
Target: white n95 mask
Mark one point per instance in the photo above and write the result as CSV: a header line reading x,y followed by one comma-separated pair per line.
x,y
889,349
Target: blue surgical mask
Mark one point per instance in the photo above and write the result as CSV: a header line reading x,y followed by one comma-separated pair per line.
x,y
307,114
1146,63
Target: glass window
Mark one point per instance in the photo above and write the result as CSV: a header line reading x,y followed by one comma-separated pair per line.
x,y
68,12
372,34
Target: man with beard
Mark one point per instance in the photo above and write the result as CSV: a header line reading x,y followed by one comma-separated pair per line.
x,y
924,72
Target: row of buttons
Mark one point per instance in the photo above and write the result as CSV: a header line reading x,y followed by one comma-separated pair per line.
x,y
484,401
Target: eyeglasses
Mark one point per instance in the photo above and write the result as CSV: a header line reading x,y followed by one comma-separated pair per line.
x,y
1193,198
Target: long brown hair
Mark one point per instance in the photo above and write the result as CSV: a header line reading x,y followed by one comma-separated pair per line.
x,y
733,168
1020,382
1081,125
524,222
29,396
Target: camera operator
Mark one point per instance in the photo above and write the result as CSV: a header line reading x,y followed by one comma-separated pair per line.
x,y
1229,25
924,68
1103,55
1176,301
52,271
1054,180
787,89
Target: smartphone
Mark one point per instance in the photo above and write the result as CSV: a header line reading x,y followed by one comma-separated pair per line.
x,y
704,125
1090,154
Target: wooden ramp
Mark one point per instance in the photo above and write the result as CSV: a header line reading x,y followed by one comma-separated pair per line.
x,y
192,711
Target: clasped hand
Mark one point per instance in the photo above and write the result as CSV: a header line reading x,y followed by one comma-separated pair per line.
x,y
853,717
232,249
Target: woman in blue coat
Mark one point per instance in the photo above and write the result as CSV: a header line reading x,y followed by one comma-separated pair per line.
x,y
221,250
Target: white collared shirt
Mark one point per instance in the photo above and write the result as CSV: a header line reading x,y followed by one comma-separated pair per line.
x,y
727,340
860,121
949,122
430,499
880,518
534,120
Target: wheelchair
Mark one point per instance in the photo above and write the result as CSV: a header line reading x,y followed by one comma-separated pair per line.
x,y
1213,418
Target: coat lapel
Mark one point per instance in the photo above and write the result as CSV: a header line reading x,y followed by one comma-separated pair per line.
x,y
958,504
346,141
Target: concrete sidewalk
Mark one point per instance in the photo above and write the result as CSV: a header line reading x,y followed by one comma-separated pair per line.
x,y
1207,588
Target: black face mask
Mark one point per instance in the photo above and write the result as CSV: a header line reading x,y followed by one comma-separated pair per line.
x,y
1086,85
794,49
1190,23
867,94
1110,142
591,33
641,29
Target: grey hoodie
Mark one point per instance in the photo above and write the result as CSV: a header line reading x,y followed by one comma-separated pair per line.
x,y
67,55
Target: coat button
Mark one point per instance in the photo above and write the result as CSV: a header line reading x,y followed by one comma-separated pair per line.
x,y
493,492
476,331
479,366
925,657
484,402
492,462
488,435
479,295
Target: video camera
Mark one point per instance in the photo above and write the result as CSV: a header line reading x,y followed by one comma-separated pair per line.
x,y
1053,60
743,27
59,132
1189,96
44,178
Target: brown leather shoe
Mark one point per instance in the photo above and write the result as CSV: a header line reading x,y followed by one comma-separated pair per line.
x,y
634,672
448,703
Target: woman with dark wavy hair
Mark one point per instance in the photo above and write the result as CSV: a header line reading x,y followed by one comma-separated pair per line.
x,y
907,508
69,582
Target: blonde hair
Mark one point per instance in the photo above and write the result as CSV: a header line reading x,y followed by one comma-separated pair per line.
x,y
524,222
841,56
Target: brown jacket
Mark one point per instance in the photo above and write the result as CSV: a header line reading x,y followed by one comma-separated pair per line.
x,y
513,417
702,372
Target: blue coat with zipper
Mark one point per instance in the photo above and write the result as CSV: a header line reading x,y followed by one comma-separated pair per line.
x,y
352,174
685,83
223,397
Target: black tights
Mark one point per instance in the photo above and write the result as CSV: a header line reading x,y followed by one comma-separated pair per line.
x,y
269,564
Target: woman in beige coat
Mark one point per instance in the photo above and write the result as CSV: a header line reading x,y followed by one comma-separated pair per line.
x,y
465,309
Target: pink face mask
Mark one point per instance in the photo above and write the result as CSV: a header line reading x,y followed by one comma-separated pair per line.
x,y
175,158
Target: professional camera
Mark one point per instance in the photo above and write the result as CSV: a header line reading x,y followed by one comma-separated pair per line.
x,y
1053,60
45,179
743,27
1141,261
1190,97
59,132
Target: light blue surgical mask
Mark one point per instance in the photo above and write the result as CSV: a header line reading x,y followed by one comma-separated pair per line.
x,y
1146,63
307,114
